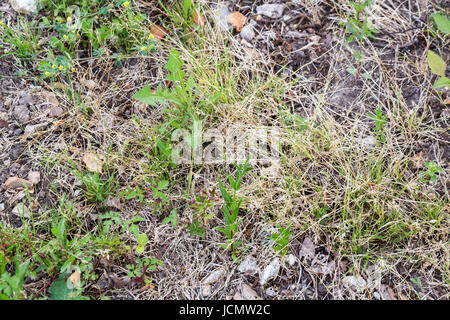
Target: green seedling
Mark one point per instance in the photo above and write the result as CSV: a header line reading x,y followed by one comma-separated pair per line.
x,y
359,28
138,271
281,239
380,122
431,173
231,208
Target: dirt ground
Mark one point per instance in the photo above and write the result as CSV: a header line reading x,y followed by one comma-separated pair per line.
x,y
364,224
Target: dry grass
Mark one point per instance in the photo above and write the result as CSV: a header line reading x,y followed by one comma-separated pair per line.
x,y
363,206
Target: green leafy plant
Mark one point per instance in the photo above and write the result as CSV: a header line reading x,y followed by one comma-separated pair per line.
x,y
22,42
281,239
94,187
359,28
431,173
139,269
142,241
442,22
380,122
356,71
64,288
182,90
195,229
172,218
438,67
231,208
113,219
181,13
11,285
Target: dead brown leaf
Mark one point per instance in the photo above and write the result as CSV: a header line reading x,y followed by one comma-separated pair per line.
x,y
237,20
93,162
158,32
75,278
308,249
198,19
17,183
50,97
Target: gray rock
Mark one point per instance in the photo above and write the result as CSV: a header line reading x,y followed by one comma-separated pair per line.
x,y
291,259
271,271
248,293
356,283
2,207
56,112
16,152
21,113
26,99
21,210
206,290
273,11
214,276
369,142
249,266
271,292
248,32
34,177
24,6
30,129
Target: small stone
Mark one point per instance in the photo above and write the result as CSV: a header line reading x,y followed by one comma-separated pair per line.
x,y
30,129
238,296
246,43
273,11
206,290
113,202
295,34
2,207
271,271
308,250
271,292
369,142
376,295
26,99
56,112
17,183
34,177
3,124
249,266
291,259
24,6
3,120
247,293
21,113
214,276
248,32
21,210
104,282
356,283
